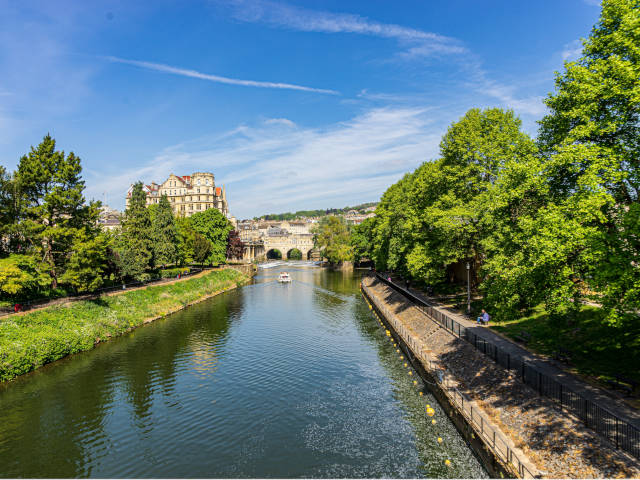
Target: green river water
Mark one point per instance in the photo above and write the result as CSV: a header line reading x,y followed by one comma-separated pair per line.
x,y
270,380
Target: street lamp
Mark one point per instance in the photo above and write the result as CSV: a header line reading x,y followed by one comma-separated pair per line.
x,y
468,290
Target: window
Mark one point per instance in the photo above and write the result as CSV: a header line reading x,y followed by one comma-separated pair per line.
x,y
198,190
198,183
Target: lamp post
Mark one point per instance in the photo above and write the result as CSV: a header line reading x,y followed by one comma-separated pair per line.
x,y
468,290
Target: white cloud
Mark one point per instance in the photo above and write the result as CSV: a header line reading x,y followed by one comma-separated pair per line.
x,y
419,42
572,51
275,166
217,78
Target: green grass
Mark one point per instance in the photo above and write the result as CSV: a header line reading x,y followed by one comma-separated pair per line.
x,y
31,340
598,349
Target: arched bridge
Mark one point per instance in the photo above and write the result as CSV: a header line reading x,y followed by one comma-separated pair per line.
x,y
284,244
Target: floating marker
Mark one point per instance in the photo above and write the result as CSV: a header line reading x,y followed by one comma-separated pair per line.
x,y
439,440
415,382
405,364
410,373
420,393
447,462
397,350
433,422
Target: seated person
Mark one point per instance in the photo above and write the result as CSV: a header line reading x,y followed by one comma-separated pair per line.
x,y
484,318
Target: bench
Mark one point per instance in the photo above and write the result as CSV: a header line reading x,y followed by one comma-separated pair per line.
x,y
524,337
562,354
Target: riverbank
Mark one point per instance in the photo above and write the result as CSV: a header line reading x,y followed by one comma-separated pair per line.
x,y
33,339
557,443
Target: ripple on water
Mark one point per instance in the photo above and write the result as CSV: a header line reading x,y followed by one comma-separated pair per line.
x,y
266,381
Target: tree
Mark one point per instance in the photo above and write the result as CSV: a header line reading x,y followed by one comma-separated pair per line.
x,y
134,245
185,240
53,212
201,248
362,240
591,141
21,276
9,214
331,235
213,226
164,233
235,246
88,263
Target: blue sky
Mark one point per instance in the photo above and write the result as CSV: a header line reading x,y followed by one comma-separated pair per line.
x,y
292,105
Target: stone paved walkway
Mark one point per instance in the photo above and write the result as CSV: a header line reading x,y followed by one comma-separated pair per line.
x,y
545,366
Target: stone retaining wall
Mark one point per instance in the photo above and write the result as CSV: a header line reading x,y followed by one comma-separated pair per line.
x,y
533,436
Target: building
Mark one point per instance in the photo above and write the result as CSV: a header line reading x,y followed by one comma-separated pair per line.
x,y
108,218
187,194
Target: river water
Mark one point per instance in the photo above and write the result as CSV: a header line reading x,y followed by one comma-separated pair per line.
x,y
270,380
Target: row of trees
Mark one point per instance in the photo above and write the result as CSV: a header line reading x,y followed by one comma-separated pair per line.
x,y
51,243
552,219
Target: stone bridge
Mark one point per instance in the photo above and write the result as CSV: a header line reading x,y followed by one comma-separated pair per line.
x,y
285,244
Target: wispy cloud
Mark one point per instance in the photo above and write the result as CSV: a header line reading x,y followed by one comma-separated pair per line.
x,y
572,51
277,165
217,78
418,42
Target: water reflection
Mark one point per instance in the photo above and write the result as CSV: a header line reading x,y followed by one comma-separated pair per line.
x,y
268,381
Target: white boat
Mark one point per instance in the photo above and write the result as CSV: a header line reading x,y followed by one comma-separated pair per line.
x,y
284,277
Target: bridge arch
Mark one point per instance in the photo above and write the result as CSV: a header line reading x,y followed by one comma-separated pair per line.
x,y
294,254
274,254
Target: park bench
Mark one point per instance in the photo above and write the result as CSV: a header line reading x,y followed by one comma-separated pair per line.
x,y
562,354
524,337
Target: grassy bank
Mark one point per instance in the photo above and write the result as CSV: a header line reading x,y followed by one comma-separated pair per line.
x,y
596,348
33,339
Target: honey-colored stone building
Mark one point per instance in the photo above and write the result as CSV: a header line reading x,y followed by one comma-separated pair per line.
x,y
188,194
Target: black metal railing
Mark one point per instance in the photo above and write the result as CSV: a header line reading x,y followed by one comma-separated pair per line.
x,y
620,432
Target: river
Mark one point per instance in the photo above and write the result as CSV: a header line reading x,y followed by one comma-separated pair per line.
x,y
270,380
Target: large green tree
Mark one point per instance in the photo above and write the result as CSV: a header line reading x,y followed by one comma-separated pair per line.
x,y
134,246
213,226
165,234
53,211
331,236
591,141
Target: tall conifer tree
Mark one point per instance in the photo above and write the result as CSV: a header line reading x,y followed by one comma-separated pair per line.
x,y
165,235
135,243
53,210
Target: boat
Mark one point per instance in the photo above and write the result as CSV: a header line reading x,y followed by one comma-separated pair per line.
x,y
284,277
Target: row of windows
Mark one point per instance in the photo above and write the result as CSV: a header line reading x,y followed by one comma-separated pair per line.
x,y
173,183
183,191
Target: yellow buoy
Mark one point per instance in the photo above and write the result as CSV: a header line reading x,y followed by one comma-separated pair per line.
x,y
420,393
415,382
439,440
428,406
410,373
433,422
447,462
405,364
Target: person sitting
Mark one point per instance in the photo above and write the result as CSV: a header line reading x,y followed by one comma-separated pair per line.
x,y
484,318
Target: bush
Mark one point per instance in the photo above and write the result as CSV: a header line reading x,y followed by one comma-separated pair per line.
x,y
173,272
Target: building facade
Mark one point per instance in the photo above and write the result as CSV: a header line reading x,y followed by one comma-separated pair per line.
x,y
187,194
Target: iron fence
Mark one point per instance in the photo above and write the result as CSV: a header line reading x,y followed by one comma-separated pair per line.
x,y
620,432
